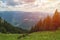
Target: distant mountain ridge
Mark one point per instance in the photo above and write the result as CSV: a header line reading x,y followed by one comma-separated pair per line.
x,y
22,19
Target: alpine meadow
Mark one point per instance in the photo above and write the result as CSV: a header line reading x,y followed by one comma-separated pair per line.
x,y
29,19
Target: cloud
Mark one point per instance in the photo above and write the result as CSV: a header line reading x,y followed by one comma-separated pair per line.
x,y
29,1
32,6
2,6
11,2
18,2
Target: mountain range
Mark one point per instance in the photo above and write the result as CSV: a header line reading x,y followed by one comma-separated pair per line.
x,y
22,19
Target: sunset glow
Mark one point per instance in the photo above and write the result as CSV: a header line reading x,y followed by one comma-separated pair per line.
x,y
29,19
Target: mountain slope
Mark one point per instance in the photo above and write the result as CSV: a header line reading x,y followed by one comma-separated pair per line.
x,y
45,35
6,27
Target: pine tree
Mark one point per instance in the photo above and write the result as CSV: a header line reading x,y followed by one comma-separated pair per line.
x,y
56,19
48,23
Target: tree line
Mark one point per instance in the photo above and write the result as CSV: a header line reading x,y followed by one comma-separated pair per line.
x,y
48,24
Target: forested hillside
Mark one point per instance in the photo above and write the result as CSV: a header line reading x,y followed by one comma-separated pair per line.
x,y
6,27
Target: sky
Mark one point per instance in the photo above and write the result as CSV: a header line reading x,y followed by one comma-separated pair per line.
x,y
30,5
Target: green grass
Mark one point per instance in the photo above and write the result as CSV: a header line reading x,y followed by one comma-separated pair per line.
x,y
9,36
47,35
43,36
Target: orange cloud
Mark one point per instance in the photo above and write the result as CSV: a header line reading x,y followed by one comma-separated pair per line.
x,y
28,1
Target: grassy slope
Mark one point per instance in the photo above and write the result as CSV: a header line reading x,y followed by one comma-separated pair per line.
x,y
43,36
34,36
8,36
